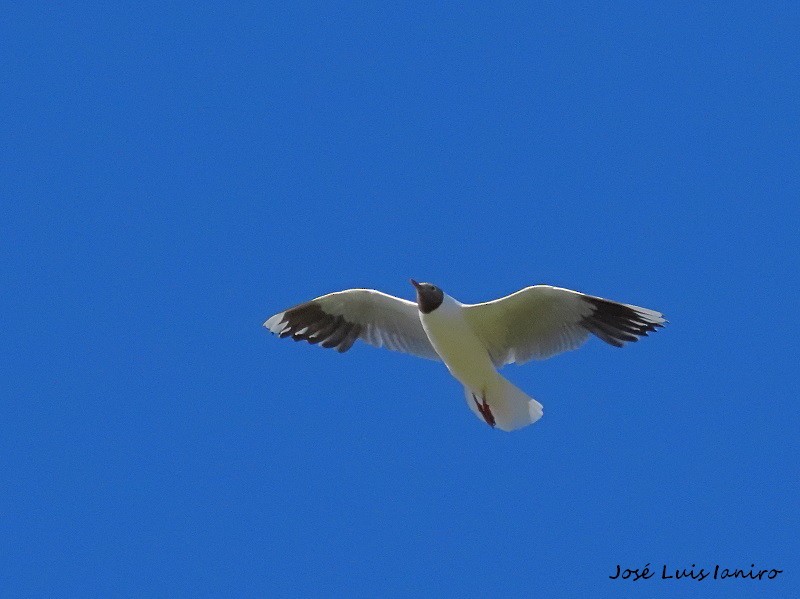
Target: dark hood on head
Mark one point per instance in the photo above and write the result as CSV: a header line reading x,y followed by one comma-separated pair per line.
x,y
429,296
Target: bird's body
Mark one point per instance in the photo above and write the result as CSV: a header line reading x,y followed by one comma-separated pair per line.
x,y
472,340
487,393
457,344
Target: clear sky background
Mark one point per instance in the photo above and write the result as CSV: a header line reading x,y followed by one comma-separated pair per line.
x,y
173,175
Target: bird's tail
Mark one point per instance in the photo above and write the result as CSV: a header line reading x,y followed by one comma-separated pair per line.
x,y
502,405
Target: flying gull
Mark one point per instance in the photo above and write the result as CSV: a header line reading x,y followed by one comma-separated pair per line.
x,y
473,340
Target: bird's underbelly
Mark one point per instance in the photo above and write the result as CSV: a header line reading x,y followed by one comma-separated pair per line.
x,y
462,352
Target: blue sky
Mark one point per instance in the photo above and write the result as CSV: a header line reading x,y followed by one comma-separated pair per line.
x,y
173,175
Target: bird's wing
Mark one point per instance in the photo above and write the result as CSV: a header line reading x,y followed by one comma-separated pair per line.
x,y
541,321
339,319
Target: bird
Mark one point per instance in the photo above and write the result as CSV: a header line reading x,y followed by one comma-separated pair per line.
x,y
473,340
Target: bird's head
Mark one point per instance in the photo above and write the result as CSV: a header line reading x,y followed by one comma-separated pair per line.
x,y
429,296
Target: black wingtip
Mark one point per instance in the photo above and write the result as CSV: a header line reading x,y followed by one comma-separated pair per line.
x,y
617,324
309,322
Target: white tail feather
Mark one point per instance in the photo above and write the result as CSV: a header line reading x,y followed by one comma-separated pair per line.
x,y
508,407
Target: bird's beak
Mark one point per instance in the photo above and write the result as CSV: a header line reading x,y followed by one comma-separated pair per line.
x,y
415,284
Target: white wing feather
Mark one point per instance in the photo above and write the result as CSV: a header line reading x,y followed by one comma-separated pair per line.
x,y
541,321
338,319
